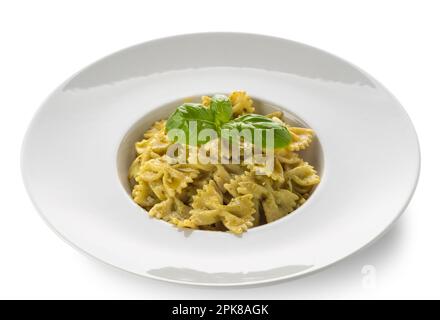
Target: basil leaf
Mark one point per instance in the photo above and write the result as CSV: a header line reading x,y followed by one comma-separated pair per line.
x,y
255,122
181,119
192,118
221,106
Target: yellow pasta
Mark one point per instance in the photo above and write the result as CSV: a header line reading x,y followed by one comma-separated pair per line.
x,y
241,103
302,178
301,138
208,209
229,197
171,209
276,174
206,101
275,203
155,143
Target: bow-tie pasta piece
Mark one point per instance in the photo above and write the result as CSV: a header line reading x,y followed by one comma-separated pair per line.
x,y
237,216
301,138
288,159
206,101
236,189
172,210
173,178
279,203
234,184
208,198
276,173
302,178
144,196
276,203
221,176
276,115
241,103
156,142
208,210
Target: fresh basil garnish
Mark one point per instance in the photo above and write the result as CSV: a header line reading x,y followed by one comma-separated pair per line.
x,y
218,116
187,112
254,122
221,106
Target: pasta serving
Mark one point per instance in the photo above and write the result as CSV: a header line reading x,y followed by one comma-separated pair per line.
x,y
222,196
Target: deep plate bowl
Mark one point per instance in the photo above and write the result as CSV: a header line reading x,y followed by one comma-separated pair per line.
x,y
79,143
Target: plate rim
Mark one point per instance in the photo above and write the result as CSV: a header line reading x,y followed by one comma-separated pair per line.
x,y
300,274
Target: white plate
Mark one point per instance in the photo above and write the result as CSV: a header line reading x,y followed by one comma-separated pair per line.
x,y
76,152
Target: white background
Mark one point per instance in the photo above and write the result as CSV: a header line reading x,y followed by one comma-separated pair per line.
x,y
44,42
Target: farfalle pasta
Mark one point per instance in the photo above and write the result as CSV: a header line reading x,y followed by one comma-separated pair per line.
x,y
222,196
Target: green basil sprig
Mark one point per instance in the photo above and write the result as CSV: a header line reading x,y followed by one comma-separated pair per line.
x,y
187,112
218,116
254,122
221,107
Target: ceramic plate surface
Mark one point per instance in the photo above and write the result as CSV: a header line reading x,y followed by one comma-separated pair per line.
x,y
79,145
